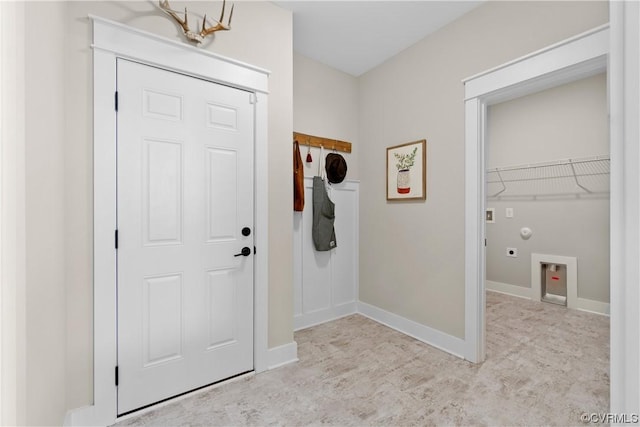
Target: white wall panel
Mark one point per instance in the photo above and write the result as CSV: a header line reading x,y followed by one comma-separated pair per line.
x,y
297,264
326,283
344,259
316,266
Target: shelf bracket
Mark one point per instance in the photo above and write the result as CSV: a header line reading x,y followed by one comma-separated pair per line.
x,y
575,177
504,187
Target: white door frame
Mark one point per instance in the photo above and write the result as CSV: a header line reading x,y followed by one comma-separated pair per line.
x,y
570,60
112,40
624,104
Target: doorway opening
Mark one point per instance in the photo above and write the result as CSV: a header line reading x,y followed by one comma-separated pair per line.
x,y
579,57
547,183
547,179
185,301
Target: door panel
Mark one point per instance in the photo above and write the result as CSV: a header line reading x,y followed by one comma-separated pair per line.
x,y
221,166
222,301
185,191
162,106
162,192
162,319
222,116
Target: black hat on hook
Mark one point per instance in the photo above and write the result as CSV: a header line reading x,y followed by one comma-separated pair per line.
x,y
336,167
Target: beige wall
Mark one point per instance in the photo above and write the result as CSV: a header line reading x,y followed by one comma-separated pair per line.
x,y
325,103
412,254
570,121
59,359
45,215
12,216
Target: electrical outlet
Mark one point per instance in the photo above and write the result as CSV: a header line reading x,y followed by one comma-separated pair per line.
x,y
512,252
508,212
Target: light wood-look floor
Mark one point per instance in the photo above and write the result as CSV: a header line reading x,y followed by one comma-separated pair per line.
x,y
546,365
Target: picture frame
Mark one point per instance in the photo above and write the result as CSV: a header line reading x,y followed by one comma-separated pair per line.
x,y
490,215
407,171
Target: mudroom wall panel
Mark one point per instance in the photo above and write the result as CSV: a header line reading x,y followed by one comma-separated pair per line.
x,y
315,266
325,104
326,282
345,257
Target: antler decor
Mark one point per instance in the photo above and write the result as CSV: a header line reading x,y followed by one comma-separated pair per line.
x,y
192,36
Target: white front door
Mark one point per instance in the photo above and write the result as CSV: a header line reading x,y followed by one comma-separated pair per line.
x,y
185,209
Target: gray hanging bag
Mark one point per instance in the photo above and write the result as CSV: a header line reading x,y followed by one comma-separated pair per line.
x,y
324,215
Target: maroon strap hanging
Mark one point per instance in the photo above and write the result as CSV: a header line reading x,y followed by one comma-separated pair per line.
x,y
298,179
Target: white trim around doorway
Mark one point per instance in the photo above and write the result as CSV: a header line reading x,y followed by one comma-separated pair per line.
x,y
578,57
624,110
614,48
112,40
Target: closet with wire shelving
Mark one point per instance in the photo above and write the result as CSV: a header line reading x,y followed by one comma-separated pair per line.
x,y
547,183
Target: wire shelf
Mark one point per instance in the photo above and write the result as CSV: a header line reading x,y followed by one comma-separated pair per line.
x,y
584,175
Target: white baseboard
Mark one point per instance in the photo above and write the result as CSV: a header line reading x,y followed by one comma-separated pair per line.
x,y
592,306
433,337
282,355
308,320
582,304
68,417
84,416
506,288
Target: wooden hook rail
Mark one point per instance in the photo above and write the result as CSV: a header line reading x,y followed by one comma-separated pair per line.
x,y
318,141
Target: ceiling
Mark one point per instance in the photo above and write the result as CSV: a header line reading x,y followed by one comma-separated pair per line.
x,y
356,36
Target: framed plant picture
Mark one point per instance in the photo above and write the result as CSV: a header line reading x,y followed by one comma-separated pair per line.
x,y
407,171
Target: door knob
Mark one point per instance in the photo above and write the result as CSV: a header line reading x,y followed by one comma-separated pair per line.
x,y
246,231
246,251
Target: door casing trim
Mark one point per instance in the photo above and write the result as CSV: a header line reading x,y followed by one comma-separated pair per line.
x,y
112,40
572,59
612,47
